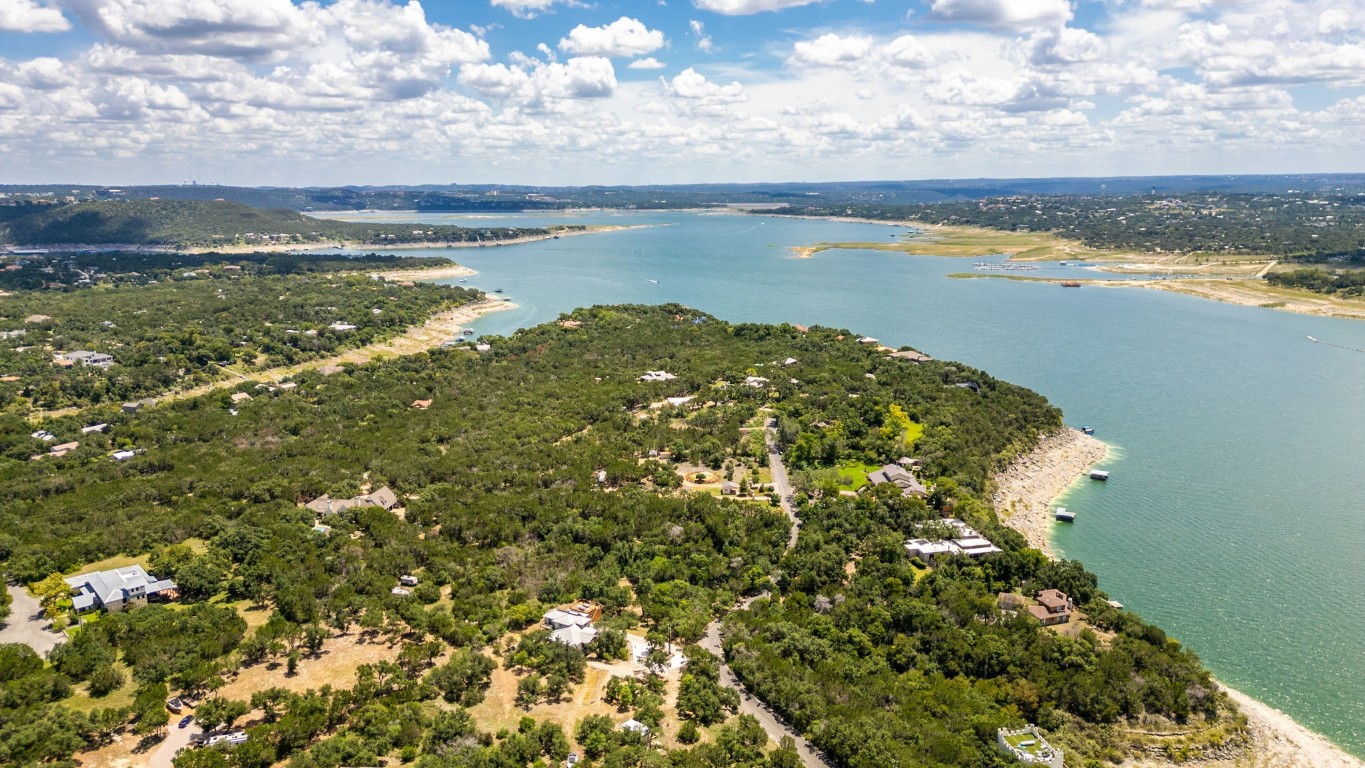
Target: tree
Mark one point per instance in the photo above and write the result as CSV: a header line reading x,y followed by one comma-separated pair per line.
x,y
610,644
594,732
218,712
51,592
528,691
149,708
105,680
553,743
688,733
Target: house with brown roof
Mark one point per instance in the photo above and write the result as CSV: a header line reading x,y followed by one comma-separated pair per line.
x,y
1053,608
326,505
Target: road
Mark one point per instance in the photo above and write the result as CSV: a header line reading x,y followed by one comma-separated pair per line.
x,y
781,483
26,623
749,704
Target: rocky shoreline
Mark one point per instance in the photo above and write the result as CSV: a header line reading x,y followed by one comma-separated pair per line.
x,y
1025,490
1024,493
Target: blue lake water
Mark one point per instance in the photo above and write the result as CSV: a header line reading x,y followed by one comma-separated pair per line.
x,y
1235,517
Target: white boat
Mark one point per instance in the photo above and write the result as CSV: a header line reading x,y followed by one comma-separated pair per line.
x,y
1099,474
1065,515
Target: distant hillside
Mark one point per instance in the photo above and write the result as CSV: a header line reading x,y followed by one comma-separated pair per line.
x,y
497,197
191,223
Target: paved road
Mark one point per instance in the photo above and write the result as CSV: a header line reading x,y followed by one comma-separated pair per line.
x,y
26,623
781,483
773,725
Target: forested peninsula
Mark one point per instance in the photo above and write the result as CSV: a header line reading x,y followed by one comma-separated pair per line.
x,y
183,224
615,462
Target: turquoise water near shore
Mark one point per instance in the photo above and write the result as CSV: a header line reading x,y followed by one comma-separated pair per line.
x,y
1235,516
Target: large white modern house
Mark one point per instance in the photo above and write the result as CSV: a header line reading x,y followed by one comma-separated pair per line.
x,y
118,589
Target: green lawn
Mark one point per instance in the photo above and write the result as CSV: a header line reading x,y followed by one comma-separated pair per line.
x,y
853,474
915,432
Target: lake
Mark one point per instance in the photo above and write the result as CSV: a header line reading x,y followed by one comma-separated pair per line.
x,y
1234,516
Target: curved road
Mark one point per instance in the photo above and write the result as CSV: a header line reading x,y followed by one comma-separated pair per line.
x,y
775,727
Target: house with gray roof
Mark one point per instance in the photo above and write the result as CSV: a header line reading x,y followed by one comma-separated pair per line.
x,y
899,477
117,589
86,357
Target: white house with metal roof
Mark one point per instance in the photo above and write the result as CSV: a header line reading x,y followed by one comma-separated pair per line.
x,y
117,589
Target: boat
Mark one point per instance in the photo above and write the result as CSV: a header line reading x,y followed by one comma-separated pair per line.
x,y
1064,515
656,282
468,331
464,279
1071,284
1310,338
497,290
1088,430
1099,474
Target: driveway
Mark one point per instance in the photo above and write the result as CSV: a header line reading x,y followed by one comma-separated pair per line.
x,y
26,623
176,739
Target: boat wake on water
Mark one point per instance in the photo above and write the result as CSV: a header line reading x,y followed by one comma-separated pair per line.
x,y
1338,346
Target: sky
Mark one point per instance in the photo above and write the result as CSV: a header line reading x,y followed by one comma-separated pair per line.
x,y
576,92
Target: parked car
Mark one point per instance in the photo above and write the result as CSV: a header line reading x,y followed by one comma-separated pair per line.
x,y
185,721
175,705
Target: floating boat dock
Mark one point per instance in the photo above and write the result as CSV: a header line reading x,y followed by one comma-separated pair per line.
x,y
1099,474
1064,515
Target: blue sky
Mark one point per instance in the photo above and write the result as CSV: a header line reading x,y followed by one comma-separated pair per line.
x,y
581,92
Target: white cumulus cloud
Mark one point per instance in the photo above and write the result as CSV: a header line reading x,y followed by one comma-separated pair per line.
x,y
527,9
748,7
30,16
623,37
1004,14
830,50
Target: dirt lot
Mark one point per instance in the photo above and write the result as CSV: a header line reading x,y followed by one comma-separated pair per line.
x,y
336,665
